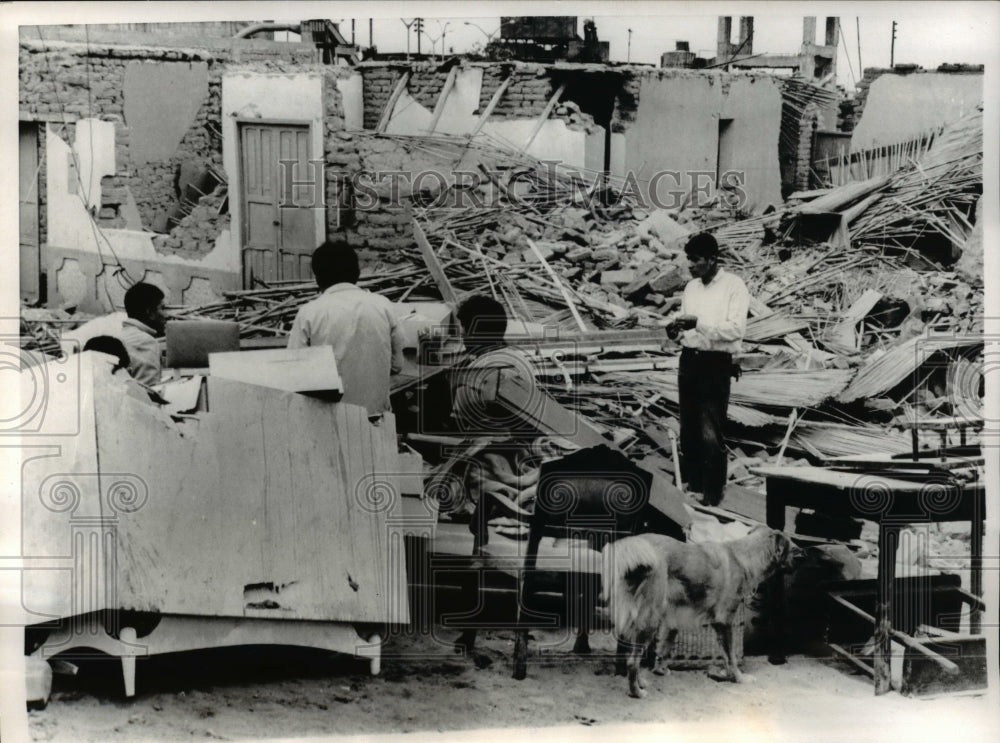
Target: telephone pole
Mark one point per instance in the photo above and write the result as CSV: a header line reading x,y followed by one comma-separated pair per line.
x,y
892,47
420,29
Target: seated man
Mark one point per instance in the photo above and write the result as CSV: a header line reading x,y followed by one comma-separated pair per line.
x,y
476,379
361,326
146,320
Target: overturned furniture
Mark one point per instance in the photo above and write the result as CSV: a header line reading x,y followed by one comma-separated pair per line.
x,y
266,519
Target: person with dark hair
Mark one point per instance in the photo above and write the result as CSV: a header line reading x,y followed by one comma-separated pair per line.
x,y
484,322
362,328
711,326
111,346
489,360
144,305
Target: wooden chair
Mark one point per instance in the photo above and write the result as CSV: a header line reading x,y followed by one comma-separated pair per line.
x,y
596,495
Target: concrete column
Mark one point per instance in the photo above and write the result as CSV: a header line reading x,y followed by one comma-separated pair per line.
x,y
809,30
725,34
746,34
832,30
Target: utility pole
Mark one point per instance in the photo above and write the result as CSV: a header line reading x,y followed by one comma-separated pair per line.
x,y
370,24
408,36
857,22
420,29
628,54
892,47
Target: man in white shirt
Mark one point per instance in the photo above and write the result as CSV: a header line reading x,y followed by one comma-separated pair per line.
x,y
361,326
711,325
146,320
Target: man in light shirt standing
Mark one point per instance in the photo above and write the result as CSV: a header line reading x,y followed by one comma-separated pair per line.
x,y
361,326
711,326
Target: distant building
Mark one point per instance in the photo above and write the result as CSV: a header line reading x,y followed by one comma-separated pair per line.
x,y
816,63
548,39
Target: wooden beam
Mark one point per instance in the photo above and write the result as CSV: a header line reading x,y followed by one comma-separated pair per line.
x,y
545,116
559,285
439,106
492,104
900,637
383,122
434,265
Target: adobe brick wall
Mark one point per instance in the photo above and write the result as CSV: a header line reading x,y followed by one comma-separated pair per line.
x,y
530,90
66,81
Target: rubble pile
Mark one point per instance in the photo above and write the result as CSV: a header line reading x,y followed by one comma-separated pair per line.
x,y
849,285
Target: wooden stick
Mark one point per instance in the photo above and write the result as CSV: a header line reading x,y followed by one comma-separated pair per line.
x,y
434,265
544,116
449,83
901,637
383,121
559,284
792,419
492,104
677,458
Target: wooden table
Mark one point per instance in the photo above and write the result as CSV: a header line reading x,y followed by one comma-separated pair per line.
x,y
890,502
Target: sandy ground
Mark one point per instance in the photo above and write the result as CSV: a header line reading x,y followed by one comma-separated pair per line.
x,y
269,692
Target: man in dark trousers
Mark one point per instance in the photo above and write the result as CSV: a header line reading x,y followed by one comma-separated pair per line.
x,y
711,327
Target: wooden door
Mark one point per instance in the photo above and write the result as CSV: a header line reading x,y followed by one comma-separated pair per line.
x,y
28,210
280,193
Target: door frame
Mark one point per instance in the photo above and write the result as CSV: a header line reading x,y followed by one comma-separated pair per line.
x,y
319,220
37,131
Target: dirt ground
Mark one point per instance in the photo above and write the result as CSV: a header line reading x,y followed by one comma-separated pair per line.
x,y
281,693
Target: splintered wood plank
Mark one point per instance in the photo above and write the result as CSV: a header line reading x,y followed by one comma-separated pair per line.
x,y
544,116
492,104
434,265
449,83
390,105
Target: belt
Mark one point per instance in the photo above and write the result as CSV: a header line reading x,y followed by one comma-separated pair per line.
x,y
685,351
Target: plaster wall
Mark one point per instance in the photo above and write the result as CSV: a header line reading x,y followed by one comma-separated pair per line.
x,y
351,92
899,108
676,128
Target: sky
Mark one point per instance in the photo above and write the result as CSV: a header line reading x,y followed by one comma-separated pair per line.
x,y
927,33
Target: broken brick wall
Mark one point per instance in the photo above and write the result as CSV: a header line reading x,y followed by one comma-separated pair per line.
x,y
530,89
341,160
166,197
66,81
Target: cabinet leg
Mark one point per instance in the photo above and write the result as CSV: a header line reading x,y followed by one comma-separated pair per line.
x,y
128,639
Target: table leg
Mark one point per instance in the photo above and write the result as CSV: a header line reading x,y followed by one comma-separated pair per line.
x,y
976,567
775,586
888,541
